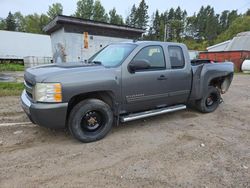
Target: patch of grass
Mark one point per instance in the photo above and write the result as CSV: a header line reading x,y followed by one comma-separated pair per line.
x,y
11,89
11,67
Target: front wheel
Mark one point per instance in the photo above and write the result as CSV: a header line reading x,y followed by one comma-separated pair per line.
x,y
210,101
90,120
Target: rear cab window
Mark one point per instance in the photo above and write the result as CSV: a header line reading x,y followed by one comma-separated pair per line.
x,y
177,60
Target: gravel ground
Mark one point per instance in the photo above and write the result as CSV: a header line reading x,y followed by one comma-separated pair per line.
x,y
183,149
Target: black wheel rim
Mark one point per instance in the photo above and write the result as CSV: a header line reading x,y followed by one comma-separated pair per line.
x,y
92,121
211,100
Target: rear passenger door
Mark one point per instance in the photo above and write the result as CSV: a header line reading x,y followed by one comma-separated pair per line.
x,y
179,75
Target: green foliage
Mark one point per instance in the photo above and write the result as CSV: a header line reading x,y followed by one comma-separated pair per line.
x,y
43,21
85,9
11,67
32,23
197,31
138,17
54,10
2,24
169,25
132,19
11,89
248,12
10,22
195,45
99,13
240,24
115,18
20,22
142,15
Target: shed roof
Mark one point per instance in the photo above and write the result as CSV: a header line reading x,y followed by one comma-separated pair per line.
x,y
219,47
61,20
240,42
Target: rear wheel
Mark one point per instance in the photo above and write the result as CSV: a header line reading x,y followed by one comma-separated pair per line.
x,y
90,120
210,101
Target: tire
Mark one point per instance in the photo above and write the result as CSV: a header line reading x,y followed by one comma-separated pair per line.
x,y
90,120
210,101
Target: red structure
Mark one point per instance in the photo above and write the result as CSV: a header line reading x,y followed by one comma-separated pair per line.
x,y
237,57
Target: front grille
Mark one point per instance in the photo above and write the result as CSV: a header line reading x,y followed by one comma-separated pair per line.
x,y
29,88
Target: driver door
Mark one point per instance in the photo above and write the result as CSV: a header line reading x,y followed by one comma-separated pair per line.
x,y
144,89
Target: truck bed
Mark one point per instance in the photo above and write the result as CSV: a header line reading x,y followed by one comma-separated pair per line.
x,y
204,74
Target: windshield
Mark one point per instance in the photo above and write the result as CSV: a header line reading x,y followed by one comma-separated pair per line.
x,y
113,55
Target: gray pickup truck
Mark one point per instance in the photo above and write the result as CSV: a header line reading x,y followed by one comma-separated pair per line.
x,y
121,83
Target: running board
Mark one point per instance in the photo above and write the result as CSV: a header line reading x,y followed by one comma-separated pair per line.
x,y
151,113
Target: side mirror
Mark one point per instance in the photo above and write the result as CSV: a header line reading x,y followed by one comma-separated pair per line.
x,y
138,65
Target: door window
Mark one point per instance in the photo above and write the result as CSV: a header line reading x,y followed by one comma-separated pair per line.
x,y
153,55
176,57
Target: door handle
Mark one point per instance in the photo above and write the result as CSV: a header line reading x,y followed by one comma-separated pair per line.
x,y
162,77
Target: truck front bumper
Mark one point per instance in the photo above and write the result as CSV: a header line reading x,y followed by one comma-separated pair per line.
x,y
44,114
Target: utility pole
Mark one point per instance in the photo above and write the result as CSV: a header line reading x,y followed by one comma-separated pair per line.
x,y
165,33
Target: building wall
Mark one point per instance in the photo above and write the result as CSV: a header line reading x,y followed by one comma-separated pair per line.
x,y
69,47
17,45
237,57
58,45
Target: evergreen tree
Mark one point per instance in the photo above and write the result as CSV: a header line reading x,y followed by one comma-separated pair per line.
x,y
224,20
232,16
99,12
2,24
54,10
115,18
191,30
212,25
248,12
20,22
239,25
127,21
156,25
43,21
142,15
85,9
10,22
170,24
32,24
133,17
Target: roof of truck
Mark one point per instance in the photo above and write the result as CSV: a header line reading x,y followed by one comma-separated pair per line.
x,y
151,43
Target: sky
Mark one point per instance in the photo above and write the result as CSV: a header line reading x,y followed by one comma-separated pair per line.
x,y
122,6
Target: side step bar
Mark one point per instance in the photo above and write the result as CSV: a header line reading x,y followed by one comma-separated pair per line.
x,y
151,113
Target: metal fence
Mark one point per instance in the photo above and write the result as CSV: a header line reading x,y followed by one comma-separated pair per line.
x,y
32,61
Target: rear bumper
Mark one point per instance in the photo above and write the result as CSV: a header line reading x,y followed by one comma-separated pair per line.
x,y
46,115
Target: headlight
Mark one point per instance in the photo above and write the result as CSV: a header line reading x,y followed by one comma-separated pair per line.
x,y
48,92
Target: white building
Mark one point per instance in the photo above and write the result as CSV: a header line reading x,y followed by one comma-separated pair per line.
x,y
74,39
18,45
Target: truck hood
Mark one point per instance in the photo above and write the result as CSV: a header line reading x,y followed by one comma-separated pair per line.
x,y
41,73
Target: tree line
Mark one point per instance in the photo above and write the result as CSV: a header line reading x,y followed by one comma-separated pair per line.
x,y
198,31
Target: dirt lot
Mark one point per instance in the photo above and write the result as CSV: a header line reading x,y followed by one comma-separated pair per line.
x,y
184,149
